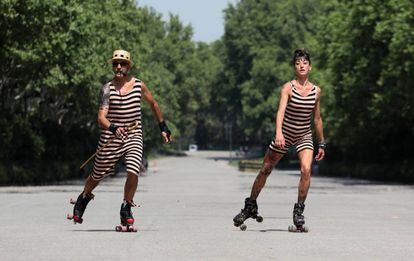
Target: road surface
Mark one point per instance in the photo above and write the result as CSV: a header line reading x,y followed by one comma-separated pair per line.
x,y
187,206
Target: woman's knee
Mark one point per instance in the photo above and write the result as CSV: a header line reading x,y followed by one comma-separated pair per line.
x,y
305,172
266,169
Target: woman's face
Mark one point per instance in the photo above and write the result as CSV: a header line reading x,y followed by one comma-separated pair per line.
x,y
302,67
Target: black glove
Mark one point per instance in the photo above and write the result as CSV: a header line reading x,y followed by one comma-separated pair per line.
x,y
113,128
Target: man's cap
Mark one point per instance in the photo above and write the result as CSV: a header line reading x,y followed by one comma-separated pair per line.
x,y
121,55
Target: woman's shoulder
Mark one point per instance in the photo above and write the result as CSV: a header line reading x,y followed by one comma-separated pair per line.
x,y
317,87
288,85
286,88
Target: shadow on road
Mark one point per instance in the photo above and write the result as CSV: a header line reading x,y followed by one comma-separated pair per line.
x,y
94,230
267,230
109,230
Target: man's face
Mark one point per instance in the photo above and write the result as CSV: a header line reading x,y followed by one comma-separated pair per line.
x,y
302,67
120,68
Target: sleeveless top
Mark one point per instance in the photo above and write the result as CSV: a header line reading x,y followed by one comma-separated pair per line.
x,y
124,109
297,120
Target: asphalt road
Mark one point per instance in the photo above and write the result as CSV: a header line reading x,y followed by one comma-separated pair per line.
x,y
187,206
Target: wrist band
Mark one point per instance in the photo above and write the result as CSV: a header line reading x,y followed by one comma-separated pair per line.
x,y
113,128
322,145
164,128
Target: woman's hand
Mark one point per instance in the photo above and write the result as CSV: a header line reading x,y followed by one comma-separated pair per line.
x,y
280,140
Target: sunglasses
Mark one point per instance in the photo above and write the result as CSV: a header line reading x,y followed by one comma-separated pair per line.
x,y
123,64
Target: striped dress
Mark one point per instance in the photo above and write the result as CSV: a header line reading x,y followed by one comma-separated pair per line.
x,y
123,110
296,127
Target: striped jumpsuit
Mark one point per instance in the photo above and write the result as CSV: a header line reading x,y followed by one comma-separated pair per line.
x,y
123,110
296,127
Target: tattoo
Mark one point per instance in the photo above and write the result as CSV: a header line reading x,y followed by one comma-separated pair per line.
x,y
104,96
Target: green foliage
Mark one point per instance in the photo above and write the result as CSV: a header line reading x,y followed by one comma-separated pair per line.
x,y
54,61
362,55
369,53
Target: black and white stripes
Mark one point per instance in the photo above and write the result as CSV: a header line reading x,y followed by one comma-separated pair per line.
x,y
296,127
123,110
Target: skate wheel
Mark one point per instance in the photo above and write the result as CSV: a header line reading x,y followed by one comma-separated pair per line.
x,y
259,219
72,201
69,216
292,228
243,227
118,229
236,224
132,229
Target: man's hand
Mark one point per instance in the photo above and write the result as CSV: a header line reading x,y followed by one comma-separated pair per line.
x,y
165,132
166,136
121,133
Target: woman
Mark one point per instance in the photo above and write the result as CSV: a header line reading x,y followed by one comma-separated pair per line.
x,y
299,100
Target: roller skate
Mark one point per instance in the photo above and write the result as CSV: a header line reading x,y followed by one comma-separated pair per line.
x,y
79,208
250,211
298,219
127,220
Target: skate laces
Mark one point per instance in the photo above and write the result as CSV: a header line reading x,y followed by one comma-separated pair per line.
x,y
130,203
299,208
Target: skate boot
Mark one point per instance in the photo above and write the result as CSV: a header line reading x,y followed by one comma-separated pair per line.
x,y
80,206
250,210
127,220
298,219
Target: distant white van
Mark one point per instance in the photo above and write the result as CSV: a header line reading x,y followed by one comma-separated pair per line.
x,y
192,147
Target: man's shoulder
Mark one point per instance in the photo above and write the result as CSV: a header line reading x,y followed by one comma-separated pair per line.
x,y
106,85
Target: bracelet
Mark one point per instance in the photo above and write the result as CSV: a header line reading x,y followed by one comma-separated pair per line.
x,y
113,128
322,145
164,128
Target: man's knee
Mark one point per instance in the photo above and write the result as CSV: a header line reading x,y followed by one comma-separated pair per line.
x,y
95,178
132,175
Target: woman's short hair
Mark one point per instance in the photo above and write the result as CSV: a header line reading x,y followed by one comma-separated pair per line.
x,y
299,54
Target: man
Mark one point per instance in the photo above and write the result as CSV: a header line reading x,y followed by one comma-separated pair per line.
x,y
299,100
119,116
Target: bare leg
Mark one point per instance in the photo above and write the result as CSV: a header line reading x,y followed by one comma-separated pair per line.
x,y
305,157
130,188
269,162
90,185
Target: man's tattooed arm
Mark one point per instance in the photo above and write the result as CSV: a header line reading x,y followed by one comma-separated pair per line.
x,y
104,97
